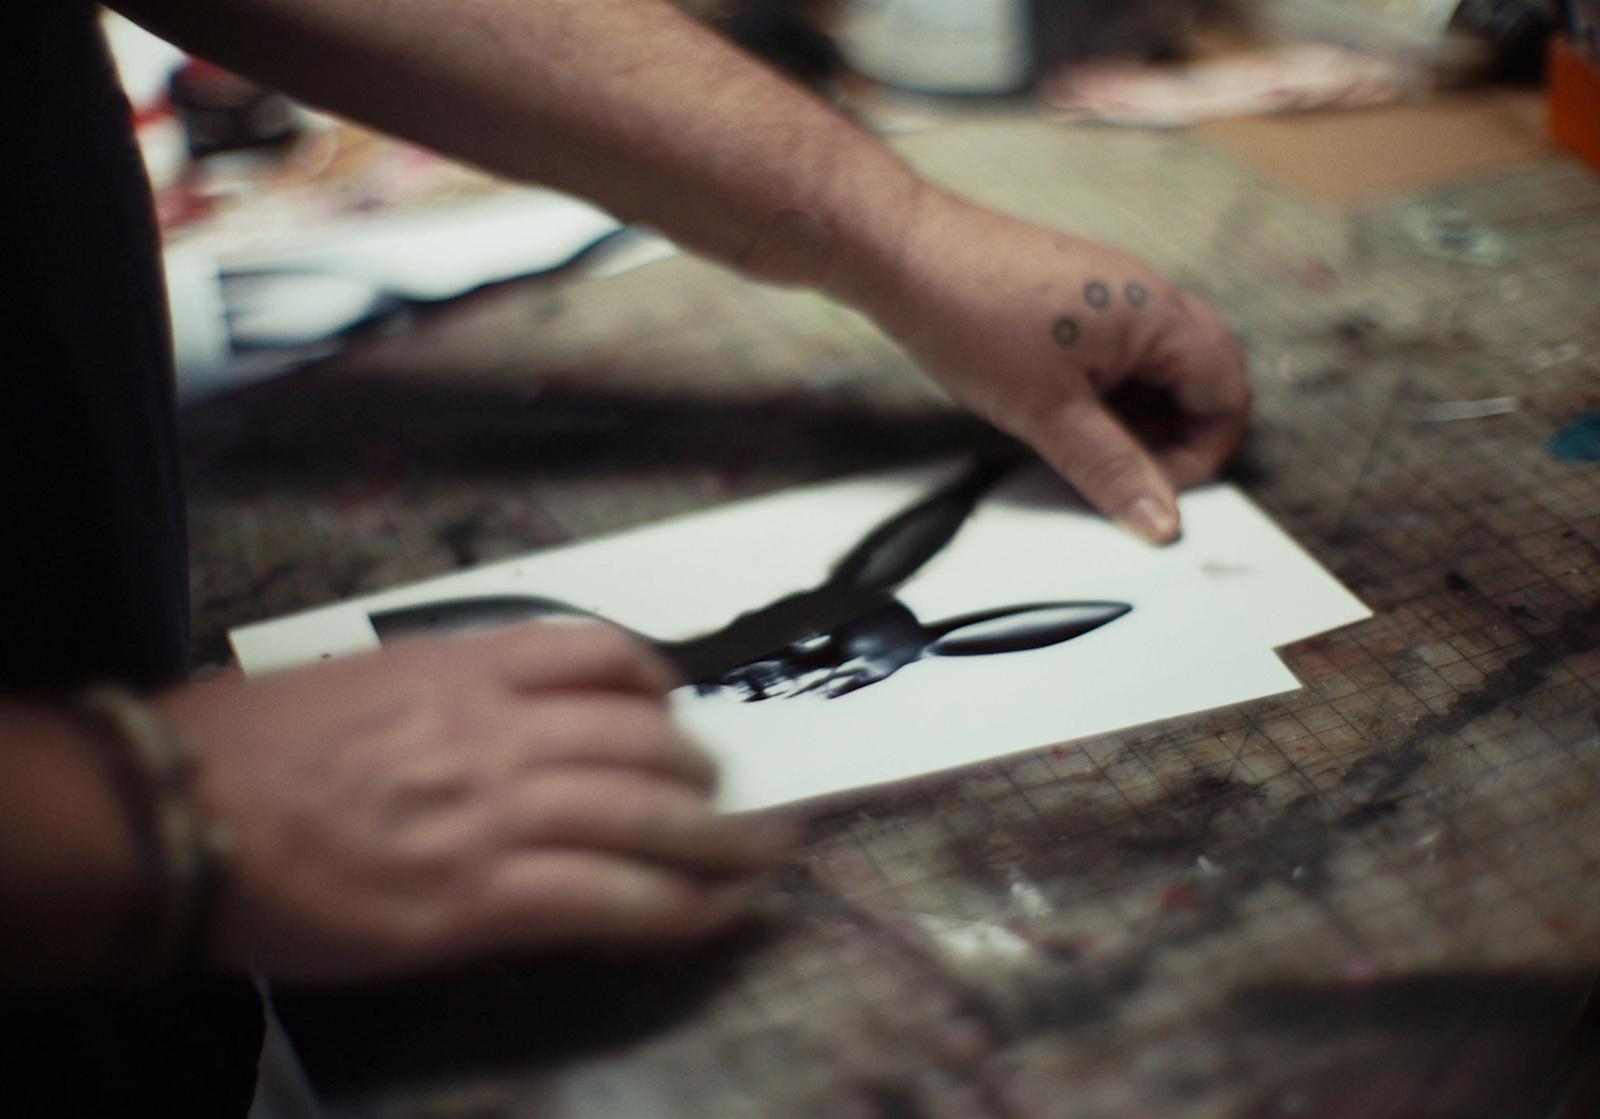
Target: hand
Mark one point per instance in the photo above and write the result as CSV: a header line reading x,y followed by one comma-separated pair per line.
x,y
447,798
1126,385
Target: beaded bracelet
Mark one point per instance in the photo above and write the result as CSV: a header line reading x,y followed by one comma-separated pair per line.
x,y
179,856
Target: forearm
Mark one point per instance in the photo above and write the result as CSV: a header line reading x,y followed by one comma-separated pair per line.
x,y
635,106
625,102
69,882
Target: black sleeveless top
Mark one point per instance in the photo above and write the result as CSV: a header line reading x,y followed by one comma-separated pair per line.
x,y
93,581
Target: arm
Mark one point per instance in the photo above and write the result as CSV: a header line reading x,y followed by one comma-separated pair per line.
x,y
634,105
69,883
437,801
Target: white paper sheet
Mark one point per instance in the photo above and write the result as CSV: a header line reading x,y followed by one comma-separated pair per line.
x,y
1261,575
1184,647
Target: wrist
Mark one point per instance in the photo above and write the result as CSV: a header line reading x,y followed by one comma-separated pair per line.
x,y
151,767
887,270
69,875
852,244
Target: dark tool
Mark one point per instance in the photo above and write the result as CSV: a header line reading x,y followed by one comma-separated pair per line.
x,y
849,632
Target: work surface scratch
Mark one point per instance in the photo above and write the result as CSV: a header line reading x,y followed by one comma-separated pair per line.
x,y
1375,897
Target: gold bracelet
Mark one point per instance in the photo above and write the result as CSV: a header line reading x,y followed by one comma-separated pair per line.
x,y
180,857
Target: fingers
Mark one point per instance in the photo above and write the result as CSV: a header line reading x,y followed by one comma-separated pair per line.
x,y
545,897
1197,366
578,655
1207,444
634,815
630,732
1109,467
1202,365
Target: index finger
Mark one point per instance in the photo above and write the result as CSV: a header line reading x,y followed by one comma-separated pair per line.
x,y
1207,443
1202,367
1202,364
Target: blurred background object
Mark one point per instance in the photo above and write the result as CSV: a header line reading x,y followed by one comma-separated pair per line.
x,y
289,234
1575,90
787,33
1237,55
243,176
1583,25
1001,46
224,112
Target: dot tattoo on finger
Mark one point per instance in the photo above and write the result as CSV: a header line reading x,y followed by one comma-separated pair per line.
x,y
1138,295
1096,295
1065,331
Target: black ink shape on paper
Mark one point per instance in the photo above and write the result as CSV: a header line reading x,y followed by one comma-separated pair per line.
x,y
1138,295
1097,295
1065,331
874,647
457,615
836,638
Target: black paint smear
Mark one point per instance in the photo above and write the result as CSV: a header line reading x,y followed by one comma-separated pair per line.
x,y
1369,813
1389,767
1090,839
310,433
1188,818
1065,331
1291,847
1096,295
1137,294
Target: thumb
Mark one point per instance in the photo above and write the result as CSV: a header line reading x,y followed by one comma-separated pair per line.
x,y
1090,448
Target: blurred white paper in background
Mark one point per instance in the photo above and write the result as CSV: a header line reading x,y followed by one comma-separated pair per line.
x,y
278,301
1184,647
436,254
274,278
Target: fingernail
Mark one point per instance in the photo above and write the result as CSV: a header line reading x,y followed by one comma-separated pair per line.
x,y
1151,518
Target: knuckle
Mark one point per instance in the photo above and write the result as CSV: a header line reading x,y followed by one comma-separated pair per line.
x,y
1104,471
653,811
1052,423
622,727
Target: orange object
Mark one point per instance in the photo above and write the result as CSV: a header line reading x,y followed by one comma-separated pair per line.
x,y
1574,87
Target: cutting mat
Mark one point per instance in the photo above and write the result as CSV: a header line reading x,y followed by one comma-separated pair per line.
x,y
1376,897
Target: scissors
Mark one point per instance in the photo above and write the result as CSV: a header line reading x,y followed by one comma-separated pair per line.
x,y
846,633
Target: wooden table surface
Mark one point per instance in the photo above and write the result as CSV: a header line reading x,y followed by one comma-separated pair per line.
x,y
1374,897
